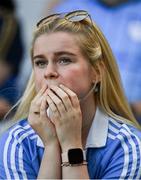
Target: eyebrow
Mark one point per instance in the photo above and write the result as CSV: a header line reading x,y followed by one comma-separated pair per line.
x,y
37,56
64,52
59,53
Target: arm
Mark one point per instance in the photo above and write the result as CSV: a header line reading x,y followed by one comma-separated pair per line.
x,y
75,172
67,118
50,167
51,163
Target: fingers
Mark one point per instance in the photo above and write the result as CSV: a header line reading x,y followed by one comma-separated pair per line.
x,y
68,97
41,92
55,104
36,102
61,100
43,107
53,112
62,96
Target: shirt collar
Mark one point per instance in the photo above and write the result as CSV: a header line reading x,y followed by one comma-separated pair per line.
x,y
97,135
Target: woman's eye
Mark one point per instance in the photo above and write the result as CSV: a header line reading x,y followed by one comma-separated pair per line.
x,y
40,63
65,60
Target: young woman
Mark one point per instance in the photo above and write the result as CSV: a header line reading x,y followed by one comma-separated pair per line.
x,y
76,120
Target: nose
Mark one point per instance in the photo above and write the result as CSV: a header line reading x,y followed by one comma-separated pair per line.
x,y
51,71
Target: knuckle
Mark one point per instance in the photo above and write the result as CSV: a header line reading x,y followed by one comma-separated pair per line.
x,y
65,97
59,102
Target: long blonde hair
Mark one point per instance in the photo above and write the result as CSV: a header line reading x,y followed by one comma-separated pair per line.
x,y
94,46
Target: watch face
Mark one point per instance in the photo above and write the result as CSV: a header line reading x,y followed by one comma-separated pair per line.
x,y
75,156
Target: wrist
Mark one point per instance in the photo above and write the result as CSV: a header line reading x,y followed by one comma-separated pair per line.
x,y
53,144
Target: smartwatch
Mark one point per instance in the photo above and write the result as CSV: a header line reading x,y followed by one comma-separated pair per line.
x,y
74,156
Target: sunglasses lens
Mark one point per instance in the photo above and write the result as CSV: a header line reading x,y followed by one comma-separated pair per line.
x,y
76,18
48,19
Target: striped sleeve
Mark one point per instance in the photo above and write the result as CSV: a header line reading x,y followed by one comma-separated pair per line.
x,y
125,162
14,160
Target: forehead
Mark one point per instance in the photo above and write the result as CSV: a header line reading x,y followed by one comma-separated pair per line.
x,y
57,41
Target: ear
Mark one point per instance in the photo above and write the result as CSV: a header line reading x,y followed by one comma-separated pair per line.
x,y
97,71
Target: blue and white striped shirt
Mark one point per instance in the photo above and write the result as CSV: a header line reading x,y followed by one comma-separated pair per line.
x,y
113,150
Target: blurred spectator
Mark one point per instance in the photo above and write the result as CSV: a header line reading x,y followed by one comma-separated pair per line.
x,y
120,20
11,51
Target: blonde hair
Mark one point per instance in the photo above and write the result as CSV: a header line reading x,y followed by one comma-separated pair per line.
x,y
110,96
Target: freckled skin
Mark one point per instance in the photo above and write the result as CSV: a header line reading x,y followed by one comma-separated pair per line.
x,y
76,75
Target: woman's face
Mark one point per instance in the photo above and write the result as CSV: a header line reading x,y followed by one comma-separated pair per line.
x,y
57,59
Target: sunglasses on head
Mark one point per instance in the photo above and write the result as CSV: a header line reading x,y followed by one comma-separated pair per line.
x,y
74,16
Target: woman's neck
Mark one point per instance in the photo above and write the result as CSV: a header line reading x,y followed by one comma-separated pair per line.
x,y
88,109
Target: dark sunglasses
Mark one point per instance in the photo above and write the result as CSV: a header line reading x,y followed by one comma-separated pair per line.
x,y
74,16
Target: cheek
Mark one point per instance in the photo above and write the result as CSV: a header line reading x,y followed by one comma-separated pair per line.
x,y
78,81
38,76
